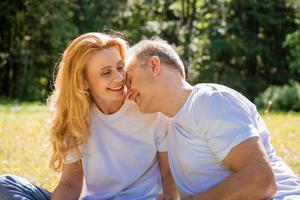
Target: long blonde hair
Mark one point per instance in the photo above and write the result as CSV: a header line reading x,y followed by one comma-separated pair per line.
x,y
70,102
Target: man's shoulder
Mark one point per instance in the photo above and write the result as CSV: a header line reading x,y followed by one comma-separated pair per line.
x,y
210,90
213,89
214,93
218,99
209,94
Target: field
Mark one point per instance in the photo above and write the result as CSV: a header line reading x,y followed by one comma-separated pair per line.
x,y
25,148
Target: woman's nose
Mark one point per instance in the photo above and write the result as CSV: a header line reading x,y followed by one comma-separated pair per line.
x,y
120,76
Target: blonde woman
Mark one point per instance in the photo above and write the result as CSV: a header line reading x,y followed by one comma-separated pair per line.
x,y
101,142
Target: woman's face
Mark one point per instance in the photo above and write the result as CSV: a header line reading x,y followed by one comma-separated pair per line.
x,y
106,76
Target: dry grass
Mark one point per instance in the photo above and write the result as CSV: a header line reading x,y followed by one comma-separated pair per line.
x,y
24,144
285,137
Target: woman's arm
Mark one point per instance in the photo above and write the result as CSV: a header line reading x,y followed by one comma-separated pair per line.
x,y
170,190
70,183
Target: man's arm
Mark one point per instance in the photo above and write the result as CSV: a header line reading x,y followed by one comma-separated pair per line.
x,y
252,176
70,183
170,190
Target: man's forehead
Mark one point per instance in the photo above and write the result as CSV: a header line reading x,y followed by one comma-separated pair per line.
x,y
130,58
129,68
130,65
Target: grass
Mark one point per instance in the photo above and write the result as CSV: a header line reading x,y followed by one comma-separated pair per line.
x,y
285,137
24,143
25,148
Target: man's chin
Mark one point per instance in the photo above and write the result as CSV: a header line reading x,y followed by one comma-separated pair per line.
x,y
143,110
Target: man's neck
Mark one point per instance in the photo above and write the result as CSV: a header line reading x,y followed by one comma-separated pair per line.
x,y
175,96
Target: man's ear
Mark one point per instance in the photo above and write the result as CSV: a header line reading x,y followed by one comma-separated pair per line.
x,y
155,65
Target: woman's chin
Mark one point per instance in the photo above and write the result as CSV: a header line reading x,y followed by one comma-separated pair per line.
x,y
119,97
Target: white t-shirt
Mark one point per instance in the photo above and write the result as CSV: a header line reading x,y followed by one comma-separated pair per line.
x,y
213,120
120,158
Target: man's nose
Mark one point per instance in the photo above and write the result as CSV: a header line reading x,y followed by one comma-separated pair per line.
x,y
127,82
129,94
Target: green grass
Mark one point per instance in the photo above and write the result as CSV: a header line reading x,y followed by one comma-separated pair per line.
x,y
25,148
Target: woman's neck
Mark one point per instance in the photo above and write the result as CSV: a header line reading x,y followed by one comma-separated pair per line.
x,y
109,107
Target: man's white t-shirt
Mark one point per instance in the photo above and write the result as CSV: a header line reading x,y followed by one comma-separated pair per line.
x,y
213,120
120,159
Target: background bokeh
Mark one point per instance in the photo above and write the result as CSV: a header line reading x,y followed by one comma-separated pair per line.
x,y
252,46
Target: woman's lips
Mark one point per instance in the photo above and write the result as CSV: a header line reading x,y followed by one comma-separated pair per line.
x,y
115,89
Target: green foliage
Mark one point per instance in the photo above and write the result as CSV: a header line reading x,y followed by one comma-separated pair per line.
x,y
285,98
35,35
246,45
293,43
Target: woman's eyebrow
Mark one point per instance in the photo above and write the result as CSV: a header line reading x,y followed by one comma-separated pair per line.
x,y
109,66
106,67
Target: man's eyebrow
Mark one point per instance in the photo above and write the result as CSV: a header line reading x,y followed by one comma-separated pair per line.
x,y
120,62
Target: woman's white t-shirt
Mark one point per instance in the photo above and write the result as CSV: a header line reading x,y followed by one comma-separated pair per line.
x,y
120,159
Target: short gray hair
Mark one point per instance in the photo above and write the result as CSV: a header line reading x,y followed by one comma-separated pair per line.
x,y
145,49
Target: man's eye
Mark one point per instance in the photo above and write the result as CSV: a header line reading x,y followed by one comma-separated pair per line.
x,y
128,82
120,68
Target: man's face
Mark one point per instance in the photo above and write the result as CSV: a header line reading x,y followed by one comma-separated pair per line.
x,y
141,86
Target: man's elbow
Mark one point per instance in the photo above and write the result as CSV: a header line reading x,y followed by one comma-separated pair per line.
x,y
272,187
267,184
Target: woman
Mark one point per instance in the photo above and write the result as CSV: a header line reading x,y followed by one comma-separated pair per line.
x,y
101,142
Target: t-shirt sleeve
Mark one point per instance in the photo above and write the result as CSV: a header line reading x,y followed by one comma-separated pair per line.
x,y
71,156
160,132
228,122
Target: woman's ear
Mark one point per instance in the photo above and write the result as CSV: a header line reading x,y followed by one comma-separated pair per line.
x,y
86,85
155,65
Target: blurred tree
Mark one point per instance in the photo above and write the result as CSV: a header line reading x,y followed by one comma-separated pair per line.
x,y
292,43
245,44
237,43
34,34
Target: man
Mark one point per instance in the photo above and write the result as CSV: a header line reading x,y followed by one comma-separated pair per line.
x,y
218,144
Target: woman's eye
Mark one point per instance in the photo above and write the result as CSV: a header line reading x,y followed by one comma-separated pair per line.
x,y
106,72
